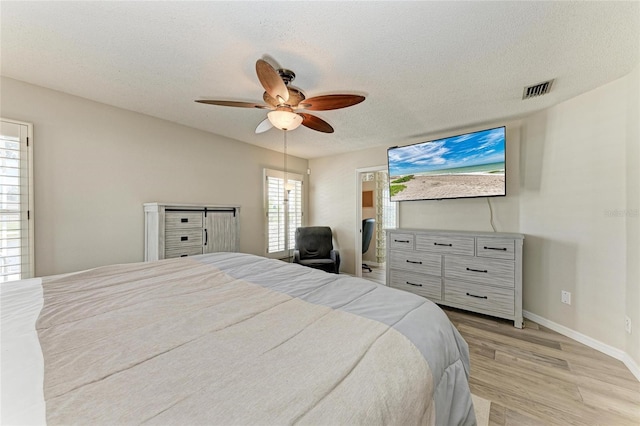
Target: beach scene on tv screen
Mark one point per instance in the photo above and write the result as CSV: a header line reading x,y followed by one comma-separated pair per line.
x,y
469,165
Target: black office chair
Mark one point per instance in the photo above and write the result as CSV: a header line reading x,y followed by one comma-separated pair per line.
x,y
367,233
314,248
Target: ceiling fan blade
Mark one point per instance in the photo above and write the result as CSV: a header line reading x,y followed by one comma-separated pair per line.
x,y
315,123
233,104
327,102
264,126
271,81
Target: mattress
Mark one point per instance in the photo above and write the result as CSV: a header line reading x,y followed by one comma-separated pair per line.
x,y
227,338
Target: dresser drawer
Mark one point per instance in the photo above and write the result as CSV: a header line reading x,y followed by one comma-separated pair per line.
x,y
424,285
417,262
482,270
446,244
181,220
401,241
183,238
497,248
182,252
493,300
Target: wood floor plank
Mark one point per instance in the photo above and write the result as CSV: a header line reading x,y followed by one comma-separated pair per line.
x,y
610,403
497,415
537,376
515,418
590,383
491,342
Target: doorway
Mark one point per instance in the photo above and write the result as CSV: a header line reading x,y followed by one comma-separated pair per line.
x,y
372,197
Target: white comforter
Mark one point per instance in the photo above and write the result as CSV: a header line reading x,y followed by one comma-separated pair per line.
x,y
227,338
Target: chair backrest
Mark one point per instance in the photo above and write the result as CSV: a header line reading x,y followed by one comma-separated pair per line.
x,y
314,242
367,233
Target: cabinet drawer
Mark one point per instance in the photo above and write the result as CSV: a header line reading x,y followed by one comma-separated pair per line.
x,y
417,262
183,238
495,300
182,252
482,270
424,285
498,248
446,244
181,220
401,241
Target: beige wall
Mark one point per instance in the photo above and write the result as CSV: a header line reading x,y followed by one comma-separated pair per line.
x,y
571,170
95,165
633,209
573,188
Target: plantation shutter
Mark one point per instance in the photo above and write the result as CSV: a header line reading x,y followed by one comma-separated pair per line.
x,y
16,200
283,211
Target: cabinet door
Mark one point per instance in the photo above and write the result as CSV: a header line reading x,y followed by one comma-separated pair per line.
x,y
221,232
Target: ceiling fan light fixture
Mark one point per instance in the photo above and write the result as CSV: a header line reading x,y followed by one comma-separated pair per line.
x,y
284,120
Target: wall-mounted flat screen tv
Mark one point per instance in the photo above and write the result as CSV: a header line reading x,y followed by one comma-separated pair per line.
x,y
463,166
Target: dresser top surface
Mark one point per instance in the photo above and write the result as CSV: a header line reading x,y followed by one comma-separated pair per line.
x,y
189,206
461,233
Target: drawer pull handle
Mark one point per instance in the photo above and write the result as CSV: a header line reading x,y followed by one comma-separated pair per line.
x,y
441,244
184,255
495,248
186,220
184,238
411,261
479,297
477,270
414,284
402,241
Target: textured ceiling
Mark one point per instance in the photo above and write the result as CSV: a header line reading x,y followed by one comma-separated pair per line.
x,y
425,67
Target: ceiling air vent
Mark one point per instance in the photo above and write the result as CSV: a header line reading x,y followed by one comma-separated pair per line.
x,y
537,89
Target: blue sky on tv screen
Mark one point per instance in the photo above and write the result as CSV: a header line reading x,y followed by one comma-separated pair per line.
x,y
471,149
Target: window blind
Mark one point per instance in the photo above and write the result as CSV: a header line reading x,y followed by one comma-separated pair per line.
x,y
284,211
16,198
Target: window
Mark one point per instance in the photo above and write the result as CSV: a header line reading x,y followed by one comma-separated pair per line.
x,y
283,211
16,201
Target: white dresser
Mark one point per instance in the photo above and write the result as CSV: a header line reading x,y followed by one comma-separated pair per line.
x,y
179,230
475,271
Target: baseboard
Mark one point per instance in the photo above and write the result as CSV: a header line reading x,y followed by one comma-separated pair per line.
x,y
589,341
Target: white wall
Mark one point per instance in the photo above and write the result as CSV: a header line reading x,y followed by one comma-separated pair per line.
x,y
574,186
95,165
571,170
633,213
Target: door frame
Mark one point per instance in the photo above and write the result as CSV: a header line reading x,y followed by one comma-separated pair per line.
x,y
358,224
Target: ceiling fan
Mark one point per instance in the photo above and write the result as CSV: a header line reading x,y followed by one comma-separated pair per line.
x,y
285,101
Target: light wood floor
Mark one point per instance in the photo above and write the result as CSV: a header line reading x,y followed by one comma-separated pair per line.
x,y
536,376
377,275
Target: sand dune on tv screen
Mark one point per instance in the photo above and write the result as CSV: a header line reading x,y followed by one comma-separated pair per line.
x,y
451,186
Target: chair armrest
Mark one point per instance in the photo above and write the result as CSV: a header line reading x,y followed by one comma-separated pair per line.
x,y
335,256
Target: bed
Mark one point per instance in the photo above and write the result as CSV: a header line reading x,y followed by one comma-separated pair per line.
x,y
227,338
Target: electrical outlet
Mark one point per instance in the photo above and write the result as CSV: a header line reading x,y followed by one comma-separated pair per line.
x,y
566,297
627,324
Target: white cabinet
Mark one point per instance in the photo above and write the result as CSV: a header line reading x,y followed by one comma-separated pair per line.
x,y
179,230
475,271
